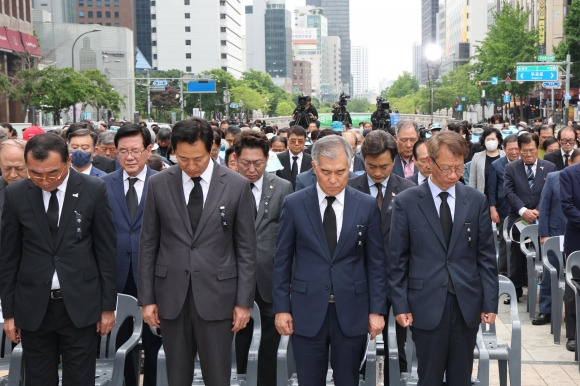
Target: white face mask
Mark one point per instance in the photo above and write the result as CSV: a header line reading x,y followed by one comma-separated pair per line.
x,y
173,159
491,145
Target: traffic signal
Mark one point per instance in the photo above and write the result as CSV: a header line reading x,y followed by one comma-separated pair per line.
x,y
480,83
456,101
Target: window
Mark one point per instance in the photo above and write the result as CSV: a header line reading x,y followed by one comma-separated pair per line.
x,y
188,42
187,16
188,69
81,3
185,2
90,14
224,56
108,14
153,16
154,56
187,29
90,3
117,25
99,14
225,69
222,16
107,3
99,3
116,3
116,15
222,29
154,29
108,24
153,3
81,14
223,42
188,55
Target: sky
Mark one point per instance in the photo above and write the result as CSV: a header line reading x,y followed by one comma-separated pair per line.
x,y
388,28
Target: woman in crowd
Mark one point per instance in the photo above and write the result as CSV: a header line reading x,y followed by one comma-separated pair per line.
x,y
480,167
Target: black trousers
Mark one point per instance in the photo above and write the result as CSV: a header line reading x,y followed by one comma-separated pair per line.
x,y
447,349
58,337
268,353
150,343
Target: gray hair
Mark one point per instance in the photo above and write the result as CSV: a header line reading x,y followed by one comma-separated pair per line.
x,y
406,123
13,142
330,147
106,137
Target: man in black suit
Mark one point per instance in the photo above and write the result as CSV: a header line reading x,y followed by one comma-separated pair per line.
x,y
524,180
379,150
420,155
269,192
567,138
442,267
58,277
294,161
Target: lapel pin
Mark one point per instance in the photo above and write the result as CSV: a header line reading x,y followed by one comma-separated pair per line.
x,y
271,187
75,195
393,194
541,167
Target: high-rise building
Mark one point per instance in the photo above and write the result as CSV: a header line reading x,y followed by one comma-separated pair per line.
x,y
429,10
360,71
310,28
62,11
255,41
278,39
142,29
197,37
331,84
417,57
338,14
110,13
301,78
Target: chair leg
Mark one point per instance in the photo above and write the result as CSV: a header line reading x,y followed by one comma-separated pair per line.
x,y
502,364
532,286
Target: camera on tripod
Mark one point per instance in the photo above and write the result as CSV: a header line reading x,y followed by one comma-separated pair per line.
x,y
381,119
339,112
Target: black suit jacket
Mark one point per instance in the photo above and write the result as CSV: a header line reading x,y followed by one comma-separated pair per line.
x,y
286,172
517,191
556,158
395,185
105,164
84,254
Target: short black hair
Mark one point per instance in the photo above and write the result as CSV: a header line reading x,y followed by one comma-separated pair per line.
x,y
233,130
377,142
278,138
217,138
192,130
416,147
132,130
545,127
164,134
297,131
550,141
82,133
251,139
323,133
526,138
42,144
510,138
229,152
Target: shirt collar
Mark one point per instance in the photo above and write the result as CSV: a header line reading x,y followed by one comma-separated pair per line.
x,y
258,184
371,182
435,190
62,186
322,195
205,176
141,176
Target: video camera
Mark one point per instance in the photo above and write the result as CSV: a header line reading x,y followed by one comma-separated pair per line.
x,y
342,99
302,116
382,104
339,113
381,119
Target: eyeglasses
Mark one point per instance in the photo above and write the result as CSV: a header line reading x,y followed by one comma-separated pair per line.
x,y
447,171
528,151
296,140
47,178
567,141
246,164
124,153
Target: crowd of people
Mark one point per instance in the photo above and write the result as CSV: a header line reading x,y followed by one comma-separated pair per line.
x,y
325,231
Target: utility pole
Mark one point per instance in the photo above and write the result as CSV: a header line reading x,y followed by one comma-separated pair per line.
x,y
227,100
566,100
148,95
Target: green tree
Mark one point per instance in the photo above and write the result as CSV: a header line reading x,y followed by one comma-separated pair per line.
x,y
166,101
359,105
405,84
252,99
507,43
285,108
21,86
103,96
571,43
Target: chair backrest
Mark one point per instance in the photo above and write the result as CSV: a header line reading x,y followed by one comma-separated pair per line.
x,y
127,307
572,261
553,244
256,336
530,232
5,345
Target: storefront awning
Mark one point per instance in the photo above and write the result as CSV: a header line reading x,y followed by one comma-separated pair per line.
x,y
4,44
31,44
14,40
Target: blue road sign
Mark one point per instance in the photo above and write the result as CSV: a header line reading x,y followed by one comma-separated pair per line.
x,y
536,73
507,98
201,86
459,107
159,83
494,80
567,97
462,99
551,84
233,105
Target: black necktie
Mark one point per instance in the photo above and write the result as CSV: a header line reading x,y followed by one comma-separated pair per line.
x,y
447,225
131,198
195,204
52,214
252,191
294,170
379,194
566,156
329,224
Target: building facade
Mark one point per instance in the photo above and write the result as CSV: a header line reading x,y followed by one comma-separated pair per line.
x,y
197,37
62,11
331,83
278,39
360,71
429,10
301,77
255,32
417,52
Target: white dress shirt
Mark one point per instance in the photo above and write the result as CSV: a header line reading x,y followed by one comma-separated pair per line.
x,y
298,161
534,167
87,171
205,180
373,188
61,190
337,206
257,191
435,190
139,184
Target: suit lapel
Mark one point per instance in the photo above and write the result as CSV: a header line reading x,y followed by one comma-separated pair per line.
x,y
37,202
268,189
141,206
390,192
427,206
351,204
540,175
313,213
73,194
119,193
176,191
460,213
217,186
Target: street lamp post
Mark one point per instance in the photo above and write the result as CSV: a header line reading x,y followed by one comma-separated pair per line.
x,y
73,63
433,61
568,63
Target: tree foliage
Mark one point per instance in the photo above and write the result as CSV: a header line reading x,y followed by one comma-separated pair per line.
x,y
406,84
571,43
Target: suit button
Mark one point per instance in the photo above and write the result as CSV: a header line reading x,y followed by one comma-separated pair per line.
x,y
448,262
444,284
332,265
193,247
56,258
186,272
327,287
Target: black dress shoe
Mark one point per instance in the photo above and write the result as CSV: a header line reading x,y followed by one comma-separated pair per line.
x,y
571,345
542,319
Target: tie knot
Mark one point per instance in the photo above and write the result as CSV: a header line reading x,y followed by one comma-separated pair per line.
x,y
252,186
529,167
295,157
443,196
379,186
196,179
53,192
330,200
132,181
